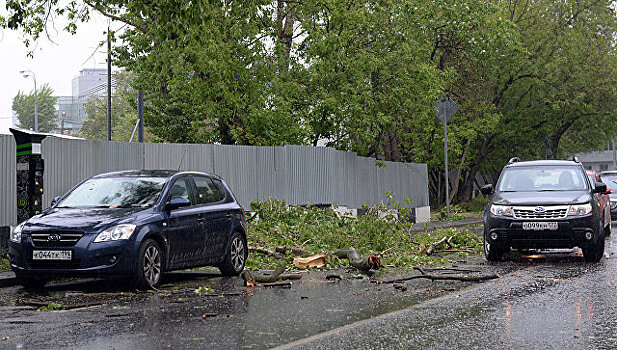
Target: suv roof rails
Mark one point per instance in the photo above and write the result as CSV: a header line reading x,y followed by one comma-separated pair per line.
x,y
514,160
575,158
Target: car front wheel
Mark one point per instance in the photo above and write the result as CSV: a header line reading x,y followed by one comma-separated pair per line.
x,y
149,267
236,255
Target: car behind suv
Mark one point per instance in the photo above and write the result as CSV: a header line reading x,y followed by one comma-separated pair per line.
x,y
610,179
543,204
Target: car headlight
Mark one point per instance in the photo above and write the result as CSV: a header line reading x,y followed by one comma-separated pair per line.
x,y
613,205
579,209
501,210
116,233
16,233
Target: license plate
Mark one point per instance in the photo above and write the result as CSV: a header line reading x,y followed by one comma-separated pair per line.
x,y
52,255
540,226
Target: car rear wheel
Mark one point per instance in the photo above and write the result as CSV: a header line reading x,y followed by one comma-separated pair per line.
x,y
149,267
236,255
594,251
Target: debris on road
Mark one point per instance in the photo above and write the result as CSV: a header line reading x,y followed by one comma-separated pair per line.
x,y
443,277
371,262
317,260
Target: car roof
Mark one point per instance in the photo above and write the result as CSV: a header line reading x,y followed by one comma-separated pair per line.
x,y
609,172
149,173
543,163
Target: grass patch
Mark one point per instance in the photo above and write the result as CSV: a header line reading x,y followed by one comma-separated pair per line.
x,y
4,262
324,230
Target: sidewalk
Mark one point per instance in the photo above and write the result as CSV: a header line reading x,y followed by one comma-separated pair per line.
x,y
7,279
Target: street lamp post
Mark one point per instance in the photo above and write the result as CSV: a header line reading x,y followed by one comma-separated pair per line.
x,y
29,73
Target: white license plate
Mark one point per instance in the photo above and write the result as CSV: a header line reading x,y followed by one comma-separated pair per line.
x,y
540,226
52,255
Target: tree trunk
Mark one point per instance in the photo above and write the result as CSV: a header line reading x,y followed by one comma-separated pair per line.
x,y
285,18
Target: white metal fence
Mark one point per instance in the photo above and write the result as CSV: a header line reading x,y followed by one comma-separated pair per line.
x,y
296,174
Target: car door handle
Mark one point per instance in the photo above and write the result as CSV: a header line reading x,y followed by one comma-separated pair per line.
x,y
229,215
201,220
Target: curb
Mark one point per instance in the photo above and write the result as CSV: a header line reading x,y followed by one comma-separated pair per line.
x,y
7,279
447,224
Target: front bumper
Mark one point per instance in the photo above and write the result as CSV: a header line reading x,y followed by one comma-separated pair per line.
x,y
571,232
88,259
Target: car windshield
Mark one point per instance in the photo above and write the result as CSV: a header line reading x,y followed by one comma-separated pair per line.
x,y
116,192
545,178
610,181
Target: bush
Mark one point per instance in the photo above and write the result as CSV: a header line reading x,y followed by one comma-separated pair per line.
x,y
477,204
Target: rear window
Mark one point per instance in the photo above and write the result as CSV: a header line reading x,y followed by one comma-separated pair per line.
x,y
610,181
546,178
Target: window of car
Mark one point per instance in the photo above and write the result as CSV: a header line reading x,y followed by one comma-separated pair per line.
x,y
115,192
207,191
610,181
545,178
182,188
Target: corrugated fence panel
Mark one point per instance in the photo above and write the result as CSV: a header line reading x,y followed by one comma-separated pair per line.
x,y
237,165
296,174
8,178
310,175
68,162
164,156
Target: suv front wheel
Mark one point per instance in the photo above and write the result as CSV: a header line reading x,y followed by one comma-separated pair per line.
x,y
492,252
594,251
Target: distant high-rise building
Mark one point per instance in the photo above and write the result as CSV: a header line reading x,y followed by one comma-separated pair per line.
x,y
91,82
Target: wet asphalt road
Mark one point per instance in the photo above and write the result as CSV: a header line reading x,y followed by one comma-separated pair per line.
x,y
552,300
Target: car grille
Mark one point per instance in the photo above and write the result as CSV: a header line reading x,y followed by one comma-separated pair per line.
x,y
555,212
55,239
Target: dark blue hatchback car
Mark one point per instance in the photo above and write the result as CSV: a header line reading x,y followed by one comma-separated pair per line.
x,y
135,224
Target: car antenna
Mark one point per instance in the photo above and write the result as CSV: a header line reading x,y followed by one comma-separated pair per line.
x,y
182,159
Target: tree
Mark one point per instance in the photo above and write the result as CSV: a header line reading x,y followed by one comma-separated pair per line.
x,y
123,112
23,106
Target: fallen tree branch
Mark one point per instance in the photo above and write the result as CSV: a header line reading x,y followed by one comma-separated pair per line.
x,y
370,262
293,250
442,277
266,252
287,284
250,279
334,276
453,251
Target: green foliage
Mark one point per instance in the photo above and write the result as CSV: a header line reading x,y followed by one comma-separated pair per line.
x,y
203,290
477,204
456,213
4,262
23,105
363,75
323,230
51,307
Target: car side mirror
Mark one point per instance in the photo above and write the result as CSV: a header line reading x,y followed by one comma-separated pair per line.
x,y
177,202
55,201
600,187
487,189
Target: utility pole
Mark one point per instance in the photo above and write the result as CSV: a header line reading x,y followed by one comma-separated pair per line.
x,y
140,115
108,84
62,123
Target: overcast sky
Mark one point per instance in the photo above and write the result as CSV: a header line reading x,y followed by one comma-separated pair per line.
x,y
54,63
